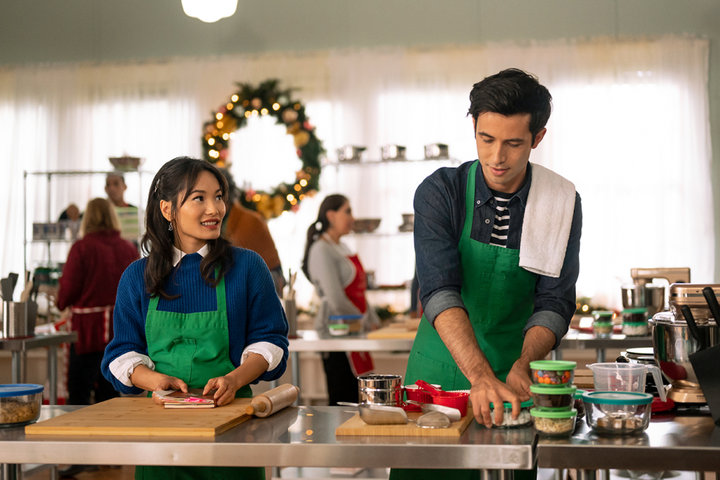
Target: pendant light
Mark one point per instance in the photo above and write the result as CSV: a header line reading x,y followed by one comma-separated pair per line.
x,y
209,11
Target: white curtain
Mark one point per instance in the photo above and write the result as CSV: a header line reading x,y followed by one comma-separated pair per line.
x,y
630,128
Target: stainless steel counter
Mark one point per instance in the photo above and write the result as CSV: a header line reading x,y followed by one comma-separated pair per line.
x,y
18,347
312,341
671,442
296,436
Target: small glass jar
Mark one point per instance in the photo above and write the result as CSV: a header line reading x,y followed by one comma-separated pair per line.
x,y
635,329
554,423
556,373
617,413
602,323
553,398
524,418
634,315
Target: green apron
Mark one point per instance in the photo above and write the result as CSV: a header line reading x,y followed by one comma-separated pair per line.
x,y
193,347
499,296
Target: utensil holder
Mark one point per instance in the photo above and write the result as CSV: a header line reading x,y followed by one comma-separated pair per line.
x,y
15,322
291,314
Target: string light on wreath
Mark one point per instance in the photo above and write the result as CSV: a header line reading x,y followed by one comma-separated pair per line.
x,y
267,99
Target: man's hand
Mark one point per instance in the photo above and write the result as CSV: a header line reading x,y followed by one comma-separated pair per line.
x,y
519,380
488,390
225,387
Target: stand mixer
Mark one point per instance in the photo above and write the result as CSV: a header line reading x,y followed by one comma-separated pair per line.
x,y
673,343
644,294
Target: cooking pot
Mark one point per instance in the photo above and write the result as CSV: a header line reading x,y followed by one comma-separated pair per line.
x,y
673,344
380,389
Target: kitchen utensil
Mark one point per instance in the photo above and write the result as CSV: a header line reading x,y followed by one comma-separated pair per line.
x,y
291,314
452,413
19,404
366,225
6,289
25,295
690,294
273,400
706,360
15,324
356,427
625,377
379,414
434,419
379,389
13,280
126,163
617,413
142,416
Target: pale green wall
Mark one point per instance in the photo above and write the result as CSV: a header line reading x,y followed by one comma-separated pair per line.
x,y
110,30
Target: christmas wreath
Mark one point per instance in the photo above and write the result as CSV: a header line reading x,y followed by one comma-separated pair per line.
x,y
267,99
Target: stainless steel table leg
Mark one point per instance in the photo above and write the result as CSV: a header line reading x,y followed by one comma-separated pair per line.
x,y
16,367
497,474
11,471
295,367
600,355
586,475
558,474
605,474
556,354
52,373
54,475
699,476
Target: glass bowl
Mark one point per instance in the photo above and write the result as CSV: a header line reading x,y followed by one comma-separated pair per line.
x,y
19,404
553,373
617,413
554,423
524,418
553,398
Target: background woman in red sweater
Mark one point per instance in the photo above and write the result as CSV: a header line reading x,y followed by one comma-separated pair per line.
x,y
88,287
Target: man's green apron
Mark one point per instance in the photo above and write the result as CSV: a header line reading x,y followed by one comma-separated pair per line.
x,y
499,297
193,347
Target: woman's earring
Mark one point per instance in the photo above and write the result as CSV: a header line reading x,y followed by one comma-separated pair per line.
x,y
170,228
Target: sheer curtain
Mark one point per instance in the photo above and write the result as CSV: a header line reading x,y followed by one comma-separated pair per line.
x,y
630,128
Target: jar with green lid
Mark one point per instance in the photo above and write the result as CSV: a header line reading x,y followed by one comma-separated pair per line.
x,y
602,323
553,398
635,322
507,422
634,315
554,423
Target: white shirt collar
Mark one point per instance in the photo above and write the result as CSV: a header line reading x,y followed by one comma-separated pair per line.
x,y
178,254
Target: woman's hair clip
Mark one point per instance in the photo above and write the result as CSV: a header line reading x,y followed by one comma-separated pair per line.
x,y
156,186
318,225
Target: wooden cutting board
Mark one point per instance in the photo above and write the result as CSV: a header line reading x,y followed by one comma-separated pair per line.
x,y
142,416
355,426
392,332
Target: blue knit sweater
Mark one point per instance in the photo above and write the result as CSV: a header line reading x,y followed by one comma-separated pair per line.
x,y
254,310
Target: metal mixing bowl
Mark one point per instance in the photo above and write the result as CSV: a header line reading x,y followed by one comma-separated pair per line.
x,y
673,344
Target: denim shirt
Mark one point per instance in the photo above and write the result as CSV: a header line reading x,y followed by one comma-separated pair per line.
x,y
439,219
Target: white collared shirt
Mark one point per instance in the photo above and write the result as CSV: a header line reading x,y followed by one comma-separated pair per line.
x,y
124,365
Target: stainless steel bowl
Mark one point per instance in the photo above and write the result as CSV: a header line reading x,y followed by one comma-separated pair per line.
x,y
673,344
378,389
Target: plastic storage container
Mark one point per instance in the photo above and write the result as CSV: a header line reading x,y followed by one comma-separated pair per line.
x,y
634,315
557,373
524,418
553,398
617,413
635,329
353,323
19,404
602,323
338,329
554,423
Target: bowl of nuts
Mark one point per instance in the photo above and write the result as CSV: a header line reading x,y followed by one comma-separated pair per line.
x,y
19,404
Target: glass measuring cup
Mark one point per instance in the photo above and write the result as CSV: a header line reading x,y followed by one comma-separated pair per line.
x,y
625,377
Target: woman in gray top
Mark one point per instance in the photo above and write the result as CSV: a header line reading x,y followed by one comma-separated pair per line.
x,y
340,282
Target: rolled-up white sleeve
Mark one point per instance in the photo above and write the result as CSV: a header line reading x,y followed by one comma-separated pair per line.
x,y
271,353
124,366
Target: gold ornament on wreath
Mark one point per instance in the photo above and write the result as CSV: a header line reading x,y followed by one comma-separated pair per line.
x,y
267,99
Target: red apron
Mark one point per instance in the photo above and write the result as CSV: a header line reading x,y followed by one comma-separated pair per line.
x,y
93,326
360,362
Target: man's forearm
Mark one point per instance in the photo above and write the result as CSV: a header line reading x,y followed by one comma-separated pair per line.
x,y
455,330
538,342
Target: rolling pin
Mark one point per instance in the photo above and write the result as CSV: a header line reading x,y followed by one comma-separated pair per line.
x,y
273,400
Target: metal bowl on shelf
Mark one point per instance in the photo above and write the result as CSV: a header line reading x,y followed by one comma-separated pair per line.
x,y
126,163
366,225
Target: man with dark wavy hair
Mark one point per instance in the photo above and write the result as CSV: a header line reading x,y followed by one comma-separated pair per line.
x,y
497,243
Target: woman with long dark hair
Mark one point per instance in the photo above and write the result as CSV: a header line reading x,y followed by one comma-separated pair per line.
x,y
197,312
340,282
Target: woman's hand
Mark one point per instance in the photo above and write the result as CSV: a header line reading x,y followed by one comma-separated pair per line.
x,y
147,379
225,388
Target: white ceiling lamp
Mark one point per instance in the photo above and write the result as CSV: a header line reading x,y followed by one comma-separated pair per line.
x,y
209,10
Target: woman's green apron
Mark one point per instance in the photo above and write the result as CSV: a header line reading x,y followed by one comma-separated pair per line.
x,y
499,297
193,347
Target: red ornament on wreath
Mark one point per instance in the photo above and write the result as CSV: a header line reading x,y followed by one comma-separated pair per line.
x,y
267,99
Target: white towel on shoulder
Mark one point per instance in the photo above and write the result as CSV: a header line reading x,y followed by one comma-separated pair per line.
x,y
546,225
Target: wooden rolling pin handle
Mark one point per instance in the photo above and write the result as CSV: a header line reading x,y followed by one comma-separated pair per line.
x,y
254,408
274,400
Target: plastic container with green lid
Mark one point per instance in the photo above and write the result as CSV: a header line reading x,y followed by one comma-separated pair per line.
x,y
557,373
603,314
617,413
635,329
634,315
524,418
553,398
554,423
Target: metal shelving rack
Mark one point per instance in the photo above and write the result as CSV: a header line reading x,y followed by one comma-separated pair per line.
x,y
49,175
